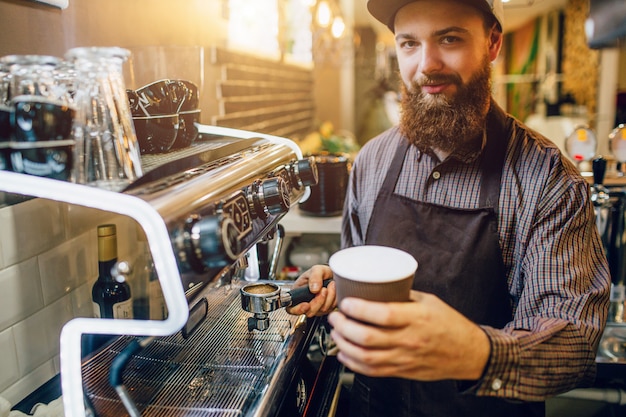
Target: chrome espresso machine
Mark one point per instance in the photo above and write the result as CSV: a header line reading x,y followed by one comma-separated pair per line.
x,y
204,209
610,207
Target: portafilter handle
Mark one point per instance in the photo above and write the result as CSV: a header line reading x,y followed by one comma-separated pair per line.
x,y
299,295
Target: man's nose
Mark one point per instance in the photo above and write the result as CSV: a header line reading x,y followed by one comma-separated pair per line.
x,y
430,60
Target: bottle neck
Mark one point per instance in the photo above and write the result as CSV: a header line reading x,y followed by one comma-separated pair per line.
x,y
104,269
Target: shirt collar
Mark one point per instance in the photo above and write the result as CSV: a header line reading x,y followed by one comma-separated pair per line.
x,y
469,151
466,153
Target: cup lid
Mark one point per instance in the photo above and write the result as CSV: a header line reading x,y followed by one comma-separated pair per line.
x,y
372,263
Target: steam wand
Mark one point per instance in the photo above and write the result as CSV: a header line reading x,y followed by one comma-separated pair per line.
x,y
117,369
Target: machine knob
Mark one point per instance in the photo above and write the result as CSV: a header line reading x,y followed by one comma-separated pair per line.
x,y
214,241
304,172
270,196
275,195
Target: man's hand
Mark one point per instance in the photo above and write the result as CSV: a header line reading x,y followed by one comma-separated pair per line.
x,y
425,339
325,299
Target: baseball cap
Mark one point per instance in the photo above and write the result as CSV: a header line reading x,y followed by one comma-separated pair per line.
x,y
385,10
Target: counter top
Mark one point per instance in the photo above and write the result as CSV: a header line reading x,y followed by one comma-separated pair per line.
x,y
296,222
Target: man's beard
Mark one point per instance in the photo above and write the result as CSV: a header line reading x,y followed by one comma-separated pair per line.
x,y
436,121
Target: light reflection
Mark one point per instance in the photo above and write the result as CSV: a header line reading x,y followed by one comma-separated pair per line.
x,y
323,15
338,27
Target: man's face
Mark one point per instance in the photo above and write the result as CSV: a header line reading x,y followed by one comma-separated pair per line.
x,y
444,54
441,44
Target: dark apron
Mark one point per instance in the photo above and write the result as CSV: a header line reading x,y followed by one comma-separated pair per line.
x,y
460,261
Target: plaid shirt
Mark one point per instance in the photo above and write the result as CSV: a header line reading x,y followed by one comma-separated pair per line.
x,y
557,272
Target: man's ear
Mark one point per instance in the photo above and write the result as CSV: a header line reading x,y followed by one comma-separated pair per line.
x,y
495,43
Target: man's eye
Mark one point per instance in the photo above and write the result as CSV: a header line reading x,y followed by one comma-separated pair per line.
x,y
408,44
450,39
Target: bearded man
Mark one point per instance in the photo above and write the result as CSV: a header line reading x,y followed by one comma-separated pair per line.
x,y
511,293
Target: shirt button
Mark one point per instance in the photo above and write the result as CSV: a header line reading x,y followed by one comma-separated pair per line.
x,y
496,384
436,175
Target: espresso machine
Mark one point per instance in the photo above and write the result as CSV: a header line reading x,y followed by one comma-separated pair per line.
x,y
225,348
610,205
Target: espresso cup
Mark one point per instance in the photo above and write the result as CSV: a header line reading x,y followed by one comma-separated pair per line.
x,y
187,131
375,273
38,119
6,128
155,99
49,159
156,134
192,96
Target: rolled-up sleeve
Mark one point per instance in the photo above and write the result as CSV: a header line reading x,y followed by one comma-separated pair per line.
x,y
561,297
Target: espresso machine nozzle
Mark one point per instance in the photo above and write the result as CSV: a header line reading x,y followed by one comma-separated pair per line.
x,y
261,298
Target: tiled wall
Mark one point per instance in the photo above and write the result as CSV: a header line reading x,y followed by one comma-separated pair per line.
x,y
48,263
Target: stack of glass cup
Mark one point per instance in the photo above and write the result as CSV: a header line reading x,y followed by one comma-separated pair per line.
x,y
68,119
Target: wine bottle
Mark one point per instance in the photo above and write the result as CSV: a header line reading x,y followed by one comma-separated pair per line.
x,y
111,298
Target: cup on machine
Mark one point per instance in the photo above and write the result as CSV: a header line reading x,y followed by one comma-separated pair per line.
x,y
41,131
35,117
156,134
33,75
160,102
189,114
179,73
107,151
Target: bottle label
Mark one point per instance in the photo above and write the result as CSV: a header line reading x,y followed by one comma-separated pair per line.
x,y
123,310
158,308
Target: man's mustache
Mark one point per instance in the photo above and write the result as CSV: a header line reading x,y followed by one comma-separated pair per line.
x,y
435,80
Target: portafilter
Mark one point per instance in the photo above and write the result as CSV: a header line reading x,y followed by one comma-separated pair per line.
x,y
263,297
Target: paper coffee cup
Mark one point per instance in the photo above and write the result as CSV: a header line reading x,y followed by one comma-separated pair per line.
x,y
375,273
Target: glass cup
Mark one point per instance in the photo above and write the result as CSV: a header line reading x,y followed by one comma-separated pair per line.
x,y
33,75
42,143
156,62
107,152
37,139
4,83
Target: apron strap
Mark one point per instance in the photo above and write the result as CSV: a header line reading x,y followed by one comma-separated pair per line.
x,y
393,173
493,157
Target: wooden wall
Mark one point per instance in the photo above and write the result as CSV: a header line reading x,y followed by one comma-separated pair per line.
x,y
237,90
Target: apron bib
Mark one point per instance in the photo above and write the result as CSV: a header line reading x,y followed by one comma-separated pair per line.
x,y
460,261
